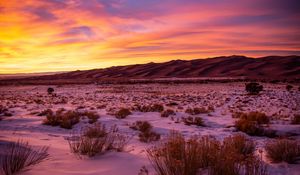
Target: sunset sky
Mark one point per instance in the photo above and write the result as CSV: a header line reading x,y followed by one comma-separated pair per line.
x,y
62,35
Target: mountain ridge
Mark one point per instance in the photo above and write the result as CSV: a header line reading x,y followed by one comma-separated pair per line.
x,y
223,66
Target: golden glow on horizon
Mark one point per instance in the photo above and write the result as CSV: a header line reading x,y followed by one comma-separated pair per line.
x,y
64,35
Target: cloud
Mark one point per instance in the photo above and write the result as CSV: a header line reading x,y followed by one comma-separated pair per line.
x,y
41,13
80,30
89,32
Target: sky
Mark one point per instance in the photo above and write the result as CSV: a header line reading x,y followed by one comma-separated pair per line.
x,y
64,35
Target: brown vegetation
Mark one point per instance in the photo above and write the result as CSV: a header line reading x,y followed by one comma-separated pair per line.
x,y
167,113
178,156
62,118
19,156
122,113
97,140
285,150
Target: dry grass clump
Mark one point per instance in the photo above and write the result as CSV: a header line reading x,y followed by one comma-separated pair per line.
x,y
142,126
146,134
240,144
97,140
258,117
95,131
92,116
196,111
249,127
122,113
62,118
296,119
285,150
251,123
149,108
19,156
178,156
198,121
167,113
149,136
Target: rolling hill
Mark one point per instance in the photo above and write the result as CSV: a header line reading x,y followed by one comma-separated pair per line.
x,y
270,67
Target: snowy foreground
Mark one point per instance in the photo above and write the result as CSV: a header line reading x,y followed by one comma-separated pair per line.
x,y
26,102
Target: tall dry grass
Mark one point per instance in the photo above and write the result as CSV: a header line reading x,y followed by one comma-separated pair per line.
x,y
196,155
19,156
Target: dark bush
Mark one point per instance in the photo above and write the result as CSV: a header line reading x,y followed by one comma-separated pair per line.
x,y
122,113
296,119
253,88
289,87
50,90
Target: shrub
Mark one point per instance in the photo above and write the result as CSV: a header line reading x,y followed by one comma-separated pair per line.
x,y
198,121
149,136
167,113
249,127
296,119
250,123
64,119
50,90
240,144
258,117
95,131
146,134
196,111
92,116
178,156
122,113
142,126
19,156
289,87
253,88
283,150
149,108
175,156
157,108
91,141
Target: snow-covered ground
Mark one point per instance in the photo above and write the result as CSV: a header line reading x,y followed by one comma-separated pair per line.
x,y
25,102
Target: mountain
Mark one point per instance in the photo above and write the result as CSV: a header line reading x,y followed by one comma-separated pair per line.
x,y
273,67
